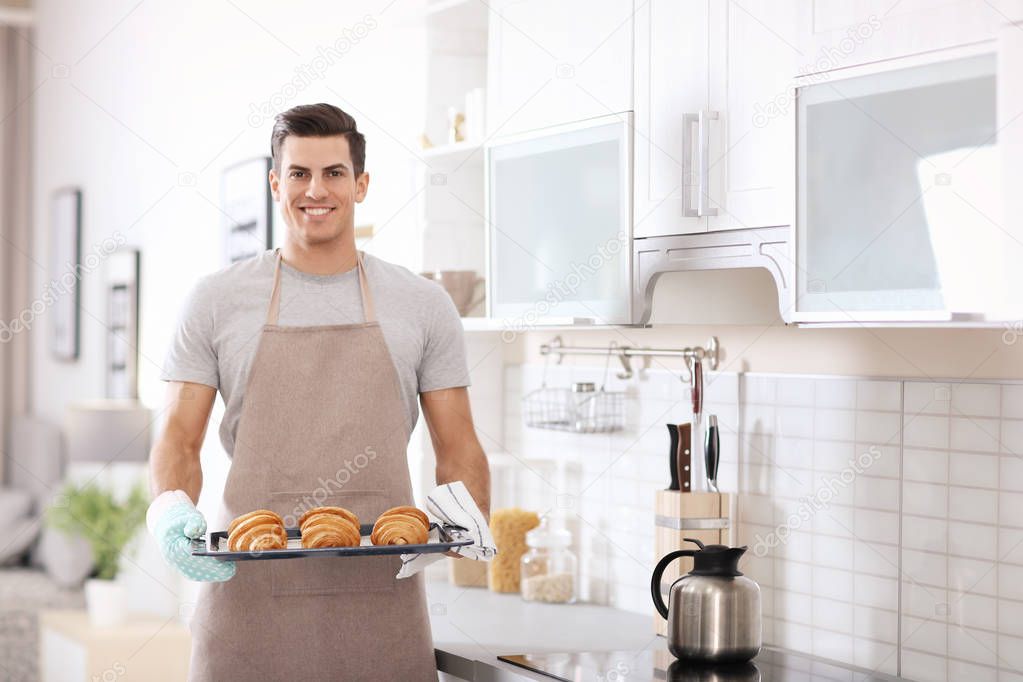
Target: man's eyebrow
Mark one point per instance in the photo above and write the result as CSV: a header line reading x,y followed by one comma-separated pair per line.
x,y
336,166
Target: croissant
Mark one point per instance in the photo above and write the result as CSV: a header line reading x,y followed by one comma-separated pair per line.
x,y
401,526
330,527
257,531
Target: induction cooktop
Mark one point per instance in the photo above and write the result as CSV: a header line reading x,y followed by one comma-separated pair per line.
x,y
657,663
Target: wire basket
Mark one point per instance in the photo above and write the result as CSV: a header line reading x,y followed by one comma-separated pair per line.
x,y
581,409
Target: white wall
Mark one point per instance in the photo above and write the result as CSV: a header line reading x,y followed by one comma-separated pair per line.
x,y
142,104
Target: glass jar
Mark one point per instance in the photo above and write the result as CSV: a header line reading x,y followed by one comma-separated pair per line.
x,y
549,567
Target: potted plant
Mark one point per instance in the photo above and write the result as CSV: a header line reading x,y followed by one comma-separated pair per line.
x,y
108,524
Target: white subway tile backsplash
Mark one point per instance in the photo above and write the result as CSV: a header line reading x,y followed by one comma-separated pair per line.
x,y
974,610
925,499
974,646
925,431
976,400
924,567
795,392
975,434
1010,509
924,667
973,504
832,456
879,395
928,636
1011,440
922,397
973,540
894,508
877,525
878,427
834,425
970,576
876,559
971,469
924,601
1012,401
877,493
795,421
924,533
875,591
929,466
835,393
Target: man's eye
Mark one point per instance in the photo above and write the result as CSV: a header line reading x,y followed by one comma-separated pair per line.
x,y
337,172
296,174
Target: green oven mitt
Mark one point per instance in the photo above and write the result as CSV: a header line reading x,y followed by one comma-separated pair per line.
x,y
175,522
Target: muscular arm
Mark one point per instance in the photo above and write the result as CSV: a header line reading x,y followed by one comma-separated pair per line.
x,y
460,456
174,459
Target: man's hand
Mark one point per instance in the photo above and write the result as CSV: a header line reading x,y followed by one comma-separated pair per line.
x,y
175,522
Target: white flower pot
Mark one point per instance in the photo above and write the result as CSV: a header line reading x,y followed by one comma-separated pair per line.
x,y
105,601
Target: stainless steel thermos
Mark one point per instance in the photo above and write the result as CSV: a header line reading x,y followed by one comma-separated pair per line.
x,y
713,612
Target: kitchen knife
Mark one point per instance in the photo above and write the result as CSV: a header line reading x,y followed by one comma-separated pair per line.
x,y
673,455
685,458
712,452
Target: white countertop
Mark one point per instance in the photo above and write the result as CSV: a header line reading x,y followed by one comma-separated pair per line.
x,y
472,626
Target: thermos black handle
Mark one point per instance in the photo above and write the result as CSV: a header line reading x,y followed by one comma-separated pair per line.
x,y
655,580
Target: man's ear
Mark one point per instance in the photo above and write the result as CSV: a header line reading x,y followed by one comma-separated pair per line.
x,y
275,185
361,187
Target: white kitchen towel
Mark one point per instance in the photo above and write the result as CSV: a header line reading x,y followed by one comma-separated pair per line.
x,y
451,503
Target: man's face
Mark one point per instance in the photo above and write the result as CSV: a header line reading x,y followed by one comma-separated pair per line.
x,y
317,188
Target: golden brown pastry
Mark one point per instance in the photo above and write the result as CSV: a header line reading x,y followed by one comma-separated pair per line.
x,y
257,531
401,526
329,527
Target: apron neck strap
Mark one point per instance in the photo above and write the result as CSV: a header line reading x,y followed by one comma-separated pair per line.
x,y
275,294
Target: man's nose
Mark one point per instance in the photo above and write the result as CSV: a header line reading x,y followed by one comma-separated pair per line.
x,y
316,189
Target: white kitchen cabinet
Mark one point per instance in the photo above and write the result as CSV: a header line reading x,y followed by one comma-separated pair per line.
x,y
753,56
551,63
671,83
835,34
714,115
900,202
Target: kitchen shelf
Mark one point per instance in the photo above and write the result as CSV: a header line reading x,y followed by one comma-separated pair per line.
x,y
467,148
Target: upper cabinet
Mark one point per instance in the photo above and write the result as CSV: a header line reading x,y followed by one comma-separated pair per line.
x,y
714,115
835,34
552,63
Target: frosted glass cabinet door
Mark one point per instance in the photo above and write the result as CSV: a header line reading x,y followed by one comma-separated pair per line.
x,y
559,214
899,196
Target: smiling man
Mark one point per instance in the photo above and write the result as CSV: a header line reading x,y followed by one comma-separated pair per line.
x,y
320,352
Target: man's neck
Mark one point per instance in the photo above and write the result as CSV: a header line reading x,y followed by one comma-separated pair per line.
x,y
331,258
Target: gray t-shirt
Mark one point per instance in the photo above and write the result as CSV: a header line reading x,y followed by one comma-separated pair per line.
x,y
219,326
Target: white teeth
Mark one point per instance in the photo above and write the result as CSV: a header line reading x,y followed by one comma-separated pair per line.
x,y
317,211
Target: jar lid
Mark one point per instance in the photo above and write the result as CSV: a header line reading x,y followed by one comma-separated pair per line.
x,y
548,536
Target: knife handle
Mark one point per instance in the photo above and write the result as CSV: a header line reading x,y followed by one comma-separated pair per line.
x,y
673,456
685,457
712,451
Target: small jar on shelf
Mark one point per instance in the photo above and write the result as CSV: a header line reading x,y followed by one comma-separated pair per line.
x,y
549,568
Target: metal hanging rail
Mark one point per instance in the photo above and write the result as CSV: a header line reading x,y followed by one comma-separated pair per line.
x,y
707,354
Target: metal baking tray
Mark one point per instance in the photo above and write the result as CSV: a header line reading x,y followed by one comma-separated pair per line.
x,y
442,538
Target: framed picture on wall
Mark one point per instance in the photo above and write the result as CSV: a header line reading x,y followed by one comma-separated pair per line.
x,y
122,287
65,264
247,208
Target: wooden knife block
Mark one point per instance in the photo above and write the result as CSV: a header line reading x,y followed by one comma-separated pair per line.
x,y
678,515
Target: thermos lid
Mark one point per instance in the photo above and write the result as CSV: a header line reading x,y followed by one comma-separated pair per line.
x,y
719,560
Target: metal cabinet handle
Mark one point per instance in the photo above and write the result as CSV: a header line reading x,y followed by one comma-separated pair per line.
x,y
688,120
702,167
703,198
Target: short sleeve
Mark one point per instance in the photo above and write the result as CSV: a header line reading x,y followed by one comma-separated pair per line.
x,y
191,356
444,363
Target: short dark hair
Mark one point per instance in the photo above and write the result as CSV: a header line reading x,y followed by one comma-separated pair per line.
x,y
318,120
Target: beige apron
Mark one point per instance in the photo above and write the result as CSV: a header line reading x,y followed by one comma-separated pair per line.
x,y
322,423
